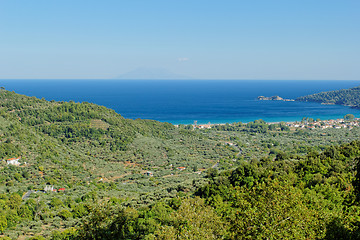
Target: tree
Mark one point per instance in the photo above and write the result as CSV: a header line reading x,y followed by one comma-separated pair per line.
x,y
55,202
64,214
273,210
79,211
37,238
349,117
25,212
3,223
106,223
14,201
193,220
246,174
356,182
67,234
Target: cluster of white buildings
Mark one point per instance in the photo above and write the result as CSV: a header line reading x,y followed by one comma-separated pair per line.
x,y
202,126
323,124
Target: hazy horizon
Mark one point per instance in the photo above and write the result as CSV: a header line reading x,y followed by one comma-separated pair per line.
x,y
201,40
177,79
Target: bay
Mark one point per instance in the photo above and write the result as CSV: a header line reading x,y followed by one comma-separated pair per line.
x,y
184,101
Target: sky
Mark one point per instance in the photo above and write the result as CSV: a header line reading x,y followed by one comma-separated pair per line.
x,y
200,39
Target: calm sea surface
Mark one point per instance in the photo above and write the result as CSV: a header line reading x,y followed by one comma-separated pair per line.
x,y
176,101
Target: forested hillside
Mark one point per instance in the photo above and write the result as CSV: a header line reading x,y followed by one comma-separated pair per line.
x,y
85,172
311,197
91,152
347,97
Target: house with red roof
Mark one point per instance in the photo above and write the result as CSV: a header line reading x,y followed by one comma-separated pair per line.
x,y
13,161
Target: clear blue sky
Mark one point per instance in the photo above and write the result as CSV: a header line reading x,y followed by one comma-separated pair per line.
x,y
204,39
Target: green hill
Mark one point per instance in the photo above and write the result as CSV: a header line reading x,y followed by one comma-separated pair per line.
x,y
347,97
89,149
70,142
138,179
312,197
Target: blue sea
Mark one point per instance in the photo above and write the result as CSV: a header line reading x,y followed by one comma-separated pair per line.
x,y
184,101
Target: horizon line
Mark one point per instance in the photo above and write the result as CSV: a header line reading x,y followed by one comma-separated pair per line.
x,y
178,79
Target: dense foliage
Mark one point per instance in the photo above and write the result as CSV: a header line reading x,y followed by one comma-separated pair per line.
x,y
312,197
140,179
347,97
92,153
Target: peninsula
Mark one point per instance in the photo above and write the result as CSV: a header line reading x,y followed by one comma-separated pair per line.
x,y
347,97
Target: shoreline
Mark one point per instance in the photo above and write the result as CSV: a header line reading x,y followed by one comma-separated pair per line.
x,y
309,124
198,102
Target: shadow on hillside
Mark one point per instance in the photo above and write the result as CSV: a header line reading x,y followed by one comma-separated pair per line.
x,y
335,230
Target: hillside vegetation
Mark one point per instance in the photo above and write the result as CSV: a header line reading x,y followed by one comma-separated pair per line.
x,y
347,97
312,197
90,151
118,178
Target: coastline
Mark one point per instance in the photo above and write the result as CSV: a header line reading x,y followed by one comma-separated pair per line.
x,y
182,102
267,120
307,124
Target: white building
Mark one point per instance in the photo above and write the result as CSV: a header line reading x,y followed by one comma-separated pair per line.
x,y
13,161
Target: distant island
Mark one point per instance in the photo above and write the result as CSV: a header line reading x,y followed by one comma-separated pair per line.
x,y
274,98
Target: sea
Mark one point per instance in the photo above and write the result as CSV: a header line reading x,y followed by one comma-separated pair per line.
x,y
186,101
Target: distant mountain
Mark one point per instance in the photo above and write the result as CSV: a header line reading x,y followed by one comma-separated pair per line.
x,y
152,73
348,97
